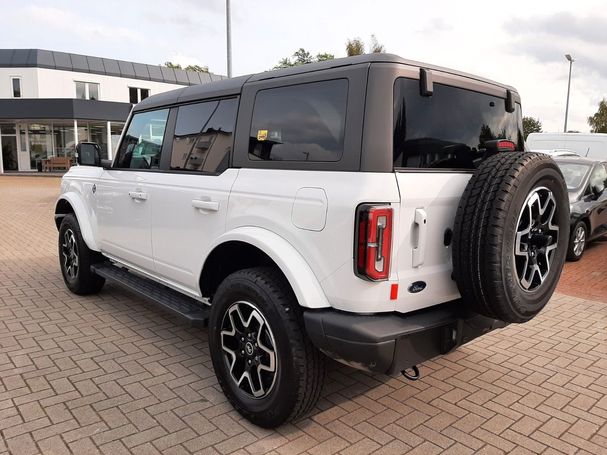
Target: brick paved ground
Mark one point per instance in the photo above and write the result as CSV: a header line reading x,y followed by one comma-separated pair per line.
x,y
111,374
587,278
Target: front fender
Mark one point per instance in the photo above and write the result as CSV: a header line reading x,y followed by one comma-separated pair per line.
x,y
83,215
306,287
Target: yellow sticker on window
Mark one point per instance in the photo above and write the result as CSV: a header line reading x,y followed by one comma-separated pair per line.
x,y
262,135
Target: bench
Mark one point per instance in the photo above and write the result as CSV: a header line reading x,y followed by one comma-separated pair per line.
x,y
56,162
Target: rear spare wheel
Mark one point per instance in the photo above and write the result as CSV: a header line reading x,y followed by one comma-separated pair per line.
x,y
511,235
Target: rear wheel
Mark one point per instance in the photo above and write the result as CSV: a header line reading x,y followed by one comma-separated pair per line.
x,y
76,258
577,242
265,364
510,236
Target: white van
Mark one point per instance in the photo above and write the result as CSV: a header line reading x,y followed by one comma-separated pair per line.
x,y
591,145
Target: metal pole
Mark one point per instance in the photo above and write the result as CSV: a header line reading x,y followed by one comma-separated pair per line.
x,y
229,37
568,90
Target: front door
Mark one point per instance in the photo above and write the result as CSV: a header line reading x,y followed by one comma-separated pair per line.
x,y
123,198
8,145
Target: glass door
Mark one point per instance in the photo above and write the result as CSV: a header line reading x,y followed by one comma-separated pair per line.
x,y
8,145
23,154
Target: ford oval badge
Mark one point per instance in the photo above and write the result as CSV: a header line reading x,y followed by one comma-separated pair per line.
x,y
416,287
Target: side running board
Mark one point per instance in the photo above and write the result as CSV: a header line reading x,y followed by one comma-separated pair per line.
x,y
195,313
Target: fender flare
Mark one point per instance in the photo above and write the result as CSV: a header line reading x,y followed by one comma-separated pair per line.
x,y
300,276
84,220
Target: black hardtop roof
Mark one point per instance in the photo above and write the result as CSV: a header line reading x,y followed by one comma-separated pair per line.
x,y
234,85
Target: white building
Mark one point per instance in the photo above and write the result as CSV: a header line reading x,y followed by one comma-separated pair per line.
x,y
50,101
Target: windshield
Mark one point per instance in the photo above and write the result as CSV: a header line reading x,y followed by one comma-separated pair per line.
x,y
450,128
574,174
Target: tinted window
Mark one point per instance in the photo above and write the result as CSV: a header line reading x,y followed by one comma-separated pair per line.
x,y
204,135
450,128
300,123
142,143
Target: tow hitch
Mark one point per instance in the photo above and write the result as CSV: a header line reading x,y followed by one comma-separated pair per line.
x,y
411,377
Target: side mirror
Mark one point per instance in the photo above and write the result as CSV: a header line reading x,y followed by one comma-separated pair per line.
x,y
88,154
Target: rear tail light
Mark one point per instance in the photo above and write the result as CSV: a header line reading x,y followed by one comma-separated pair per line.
x,y
373,249
504,146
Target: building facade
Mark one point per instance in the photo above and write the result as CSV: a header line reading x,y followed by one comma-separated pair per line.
x,y
50,101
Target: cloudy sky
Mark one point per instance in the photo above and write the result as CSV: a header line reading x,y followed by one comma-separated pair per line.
x,y
521,43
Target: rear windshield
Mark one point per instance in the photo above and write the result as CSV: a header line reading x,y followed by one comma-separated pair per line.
x,y
450,128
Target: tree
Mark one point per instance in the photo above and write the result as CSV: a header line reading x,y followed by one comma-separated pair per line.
x,y
301,57
598,122
375,47
355,46
197,68
172,65
531,125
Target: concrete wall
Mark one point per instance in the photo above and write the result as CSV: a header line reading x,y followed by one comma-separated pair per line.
x,y
50,83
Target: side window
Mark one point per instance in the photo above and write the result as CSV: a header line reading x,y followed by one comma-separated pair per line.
x,y
204,136
142,143
598,178
303,122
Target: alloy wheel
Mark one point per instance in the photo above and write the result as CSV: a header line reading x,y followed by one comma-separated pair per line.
x,y
69,250
249,349
579,240
537,237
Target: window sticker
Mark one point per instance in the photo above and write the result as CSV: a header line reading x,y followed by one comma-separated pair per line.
x,y
262,135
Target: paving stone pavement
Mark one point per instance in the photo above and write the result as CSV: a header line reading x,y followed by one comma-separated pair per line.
x,y
587,278
111,374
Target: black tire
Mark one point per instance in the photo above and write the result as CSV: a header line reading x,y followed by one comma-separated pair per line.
x,y
295,387
80,280
491,278
576,250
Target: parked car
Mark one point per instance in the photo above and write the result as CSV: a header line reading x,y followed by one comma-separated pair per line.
x,y
557,152
372,209
586,181
590,145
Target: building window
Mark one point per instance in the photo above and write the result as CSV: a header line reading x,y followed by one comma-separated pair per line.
x,y
16,86
87,90
138,94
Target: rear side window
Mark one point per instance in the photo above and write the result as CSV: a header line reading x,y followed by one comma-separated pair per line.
x,y
204,136
448,129
303,122
142,143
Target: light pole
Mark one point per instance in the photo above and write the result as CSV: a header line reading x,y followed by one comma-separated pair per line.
x,y
568,57
229,37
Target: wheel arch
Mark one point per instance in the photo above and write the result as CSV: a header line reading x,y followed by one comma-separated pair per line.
x,y
71,203
247,247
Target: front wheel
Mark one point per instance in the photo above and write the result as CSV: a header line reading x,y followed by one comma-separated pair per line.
x,y
264,362
75,259
577,242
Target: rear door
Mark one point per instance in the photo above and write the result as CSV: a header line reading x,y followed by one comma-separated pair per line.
x,y
438,141
189,199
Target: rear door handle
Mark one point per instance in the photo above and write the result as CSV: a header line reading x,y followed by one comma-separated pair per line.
x,y
138,195
419,250
210,206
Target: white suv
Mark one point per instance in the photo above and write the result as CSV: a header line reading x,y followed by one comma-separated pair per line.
x,y
371,208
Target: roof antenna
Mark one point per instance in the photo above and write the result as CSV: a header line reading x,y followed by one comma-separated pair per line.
x,y
587,151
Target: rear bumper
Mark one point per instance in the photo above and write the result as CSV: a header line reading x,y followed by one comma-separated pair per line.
x,y
390,343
